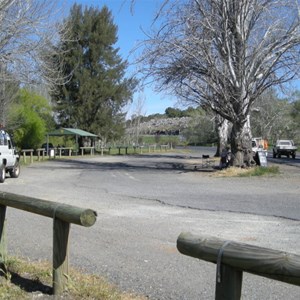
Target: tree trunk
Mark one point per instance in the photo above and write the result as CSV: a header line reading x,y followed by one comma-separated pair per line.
x,y
240,141
223,128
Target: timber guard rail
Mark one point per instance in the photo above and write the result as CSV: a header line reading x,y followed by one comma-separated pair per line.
x,y
63,215
233,258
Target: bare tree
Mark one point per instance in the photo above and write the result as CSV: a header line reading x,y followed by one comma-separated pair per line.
x,y
28,39
137,116
224,54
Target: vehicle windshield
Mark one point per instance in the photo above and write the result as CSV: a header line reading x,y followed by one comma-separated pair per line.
x,y
3,138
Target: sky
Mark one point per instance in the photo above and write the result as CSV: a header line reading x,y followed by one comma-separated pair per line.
x,y
130,33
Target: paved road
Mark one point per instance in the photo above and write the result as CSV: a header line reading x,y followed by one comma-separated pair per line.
x,y
143,203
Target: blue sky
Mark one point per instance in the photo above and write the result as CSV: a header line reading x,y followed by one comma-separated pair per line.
x,y
130,25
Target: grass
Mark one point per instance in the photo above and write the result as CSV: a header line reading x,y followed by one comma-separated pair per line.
x,y
261,171
248,172
21,279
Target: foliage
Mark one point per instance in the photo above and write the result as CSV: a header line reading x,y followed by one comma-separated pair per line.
x,y
178,113
170,112
201,129
8,91
271,117
153,116
29,119
94,97
163,140
173,112
295,114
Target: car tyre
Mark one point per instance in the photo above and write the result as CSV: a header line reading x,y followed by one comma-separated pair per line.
x,y
2,173
15,172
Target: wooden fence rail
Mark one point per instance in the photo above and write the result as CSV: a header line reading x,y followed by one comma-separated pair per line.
x,y
233,258
63,215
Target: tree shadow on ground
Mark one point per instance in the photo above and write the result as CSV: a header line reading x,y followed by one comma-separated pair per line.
x,y
29,285
142,163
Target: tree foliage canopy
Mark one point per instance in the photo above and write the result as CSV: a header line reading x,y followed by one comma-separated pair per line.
x,y
295,113
30,117
98,90
272,119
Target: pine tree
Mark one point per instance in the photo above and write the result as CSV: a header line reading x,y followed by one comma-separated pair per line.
x,y
98,90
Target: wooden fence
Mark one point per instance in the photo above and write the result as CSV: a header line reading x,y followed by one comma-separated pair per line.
x,y
41,152
24,153
63,215
233,259
69,151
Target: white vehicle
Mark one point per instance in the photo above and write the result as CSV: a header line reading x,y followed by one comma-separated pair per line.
x,y
284,147
9,157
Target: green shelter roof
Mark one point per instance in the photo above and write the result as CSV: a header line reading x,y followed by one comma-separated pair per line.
x,y
71,131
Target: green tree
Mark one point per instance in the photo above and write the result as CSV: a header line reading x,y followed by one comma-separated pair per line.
x,y
200,130
271,117
29,118
94,97
295,113
173,112
189,111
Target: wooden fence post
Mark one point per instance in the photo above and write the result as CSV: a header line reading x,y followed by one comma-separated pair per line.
x,y
24,157
229,284
63,215
61,231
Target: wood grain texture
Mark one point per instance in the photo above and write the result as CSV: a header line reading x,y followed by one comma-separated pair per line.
x,y
261,261
64,212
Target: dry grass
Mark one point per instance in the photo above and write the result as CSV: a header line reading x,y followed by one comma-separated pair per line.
x,y
21,279
247,172
230,172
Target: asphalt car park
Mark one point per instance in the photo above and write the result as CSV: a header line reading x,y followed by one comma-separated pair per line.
x,y
143,204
